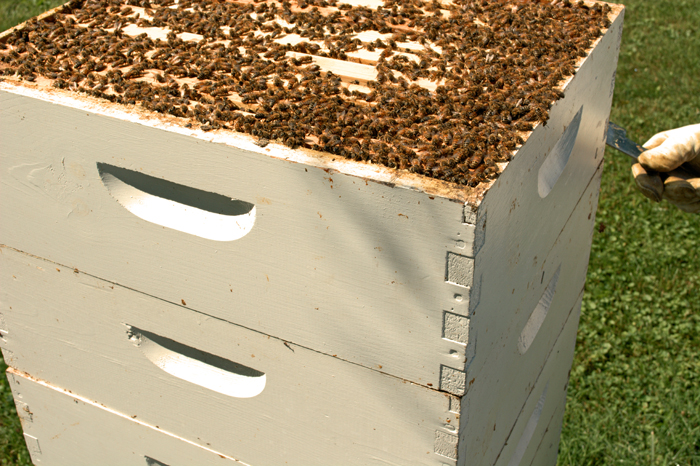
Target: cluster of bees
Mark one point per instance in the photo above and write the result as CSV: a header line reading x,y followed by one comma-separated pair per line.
x,y
495,67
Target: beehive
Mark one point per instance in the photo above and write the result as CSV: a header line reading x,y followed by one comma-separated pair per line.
x,y
322,233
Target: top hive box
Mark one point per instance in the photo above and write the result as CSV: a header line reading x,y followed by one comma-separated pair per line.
x,y
379,182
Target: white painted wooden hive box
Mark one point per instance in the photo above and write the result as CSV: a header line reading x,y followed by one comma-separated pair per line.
x,y
181,286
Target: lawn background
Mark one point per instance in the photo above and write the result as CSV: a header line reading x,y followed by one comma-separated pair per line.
x,y
635,381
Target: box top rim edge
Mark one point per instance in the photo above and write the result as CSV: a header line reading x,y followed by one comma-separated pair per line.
x,y
368,172
471,196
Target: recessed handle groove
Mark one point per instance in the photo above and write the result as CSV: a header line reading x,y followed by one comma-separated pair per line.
x,y
183,208
555,162
536,319
529,430
204,369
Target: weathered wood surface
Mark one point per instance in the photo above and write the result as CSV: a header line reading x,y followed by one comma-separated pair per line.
x,y
546,450
62,428
530,432
333,262
496,393
82,334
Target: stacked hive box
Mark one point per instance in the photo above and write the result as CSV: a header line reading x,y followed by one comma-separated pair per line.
x,y
175,295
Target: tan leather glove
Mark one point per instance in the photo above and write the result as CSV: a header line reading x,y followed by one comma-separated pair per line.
x,y
667,151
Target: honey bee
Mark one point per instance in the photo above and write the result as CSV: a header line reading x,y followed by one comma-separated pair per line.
x,y
489,94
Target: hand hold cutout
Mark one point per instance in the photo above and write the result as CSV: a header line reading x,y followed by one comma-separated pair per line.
x,y
529,430
190,210
555,162
533,324
204,369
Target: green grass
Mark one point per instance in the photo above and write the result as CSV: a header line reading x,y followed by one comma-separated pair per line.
x,y
13,12
635,382
13,451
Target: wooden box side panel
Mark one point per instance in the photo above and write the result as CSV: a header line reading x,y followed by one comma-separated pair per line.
x,y
536,313
546,451
61,429
496,393
509,443
333,262
76,332
544,410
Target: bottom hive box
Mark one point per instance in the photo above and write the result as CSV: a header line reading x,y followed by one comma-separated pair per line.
x,y
99,340
115,347
76,431
534,439
61,428
243,394
64,428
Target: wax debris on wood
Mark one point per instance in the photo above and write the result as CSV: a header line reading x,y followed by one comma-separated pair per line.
x,y
446,90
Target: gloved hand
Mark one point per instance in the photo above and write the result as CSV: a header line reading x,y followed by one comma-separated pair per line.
x,y
667,151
